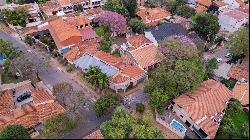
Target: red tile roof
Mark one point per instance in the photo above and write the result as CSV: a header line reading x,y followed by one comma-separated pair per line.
x,y
88,33
220,3
120,78
77,20
154,15
138,41
110,59
132,71
30,114
64,34
200,9
146,56
239,71
241,92
94,11
95,135
205,3
207,100
80,49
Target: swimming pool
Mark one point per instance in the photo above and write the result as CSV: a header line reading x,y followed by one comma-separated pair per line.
x,y
178,126
1,57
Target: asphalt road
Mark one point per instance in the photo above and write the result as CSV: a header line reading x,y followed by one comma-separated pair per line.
x,y
53,76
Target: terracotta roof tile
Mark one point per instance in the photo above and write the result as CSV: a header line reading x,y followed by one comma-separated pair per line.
x,y
110,59
146,56
88,34
200,9
120,78
207,100
239,71
132,71
41,96
220,3
80,49
138,41
78,20
205,3
62,31
95,135
149,15
29,114
94,11
49,6
241,92
238,15
64,2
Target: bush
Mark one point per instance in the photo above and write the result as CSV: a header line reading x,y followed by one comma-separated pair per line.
x,y
106,45
106,103
55,53
14,132
228,83
140,107
28,40
70,68
58,125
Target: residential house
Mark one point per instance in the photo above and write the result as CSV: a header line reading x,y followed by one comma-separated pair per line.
x,y
184,22
152,16
50,8
33,12
157,34
29,112
199,111
205,3
142,51
240,71
241,92
95,135
93,12
69,31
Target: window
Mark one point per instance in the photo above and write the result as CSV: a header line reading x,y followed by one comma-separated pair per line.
x,y
81,26
187,123
86,25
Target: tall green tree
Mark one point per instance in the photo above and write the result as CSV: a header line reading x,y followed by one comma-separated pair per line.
x,y
238,42
7,50
106,104
131,6
16,17
116,7
158,99
95,77
14,132
151,132
185,11
137,25
211,65
205,24
171,5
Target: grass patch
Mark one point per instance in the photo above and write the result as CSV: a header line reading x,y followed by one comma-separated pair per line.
x,y
9,78
100,31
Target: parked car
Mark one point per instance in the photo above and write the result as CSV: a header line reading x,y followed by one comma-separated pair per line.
x,y
228,55
23,97
219,60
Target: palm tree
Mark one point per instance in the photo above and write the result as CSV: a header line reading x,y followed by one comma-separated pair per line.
x,y
96,78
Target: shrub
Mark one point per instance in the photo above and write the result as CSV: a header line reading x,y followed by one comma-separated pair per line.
x,y
14,132
106,103
70,68
58,125
55,53
140,107
28,40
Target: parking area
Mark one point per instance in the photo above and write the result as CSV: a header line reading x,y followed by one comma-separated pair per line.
x,y
139,96
220,52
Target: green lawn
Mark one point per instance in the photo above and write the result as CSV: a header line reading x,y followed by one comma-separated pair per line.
x,y
100,31
239,118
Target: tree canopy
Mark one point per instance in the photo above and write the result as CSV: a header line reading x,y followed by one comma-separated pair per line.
x,y
7,50
235,123
171,5
137,25
16,17
106,103
131,6
122,125
185,11
238,42
14,132
205,24
211,65
115,7
95,77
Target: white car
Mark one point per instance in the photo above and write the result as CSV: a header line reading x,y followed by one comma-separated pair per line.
x,y
219,60
228,55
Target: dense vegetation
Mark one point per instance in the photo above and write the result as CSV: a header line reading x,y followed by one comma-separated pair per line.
x,y
235,123
14,132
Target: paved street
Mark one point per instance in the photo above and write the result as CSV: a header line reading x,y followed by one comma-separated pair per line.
x,y
53,76
219,53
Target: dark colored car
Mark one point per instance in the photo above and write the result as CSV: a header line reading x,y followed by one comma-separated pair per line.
x,y
23,97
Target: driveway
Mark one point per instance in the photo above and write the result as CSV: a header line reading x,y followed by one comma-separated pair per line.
x,y
132,99
52,76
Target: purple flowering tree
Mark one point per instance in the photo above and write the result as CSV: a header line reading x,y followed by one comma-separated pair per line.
x,y
115,22
179,46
